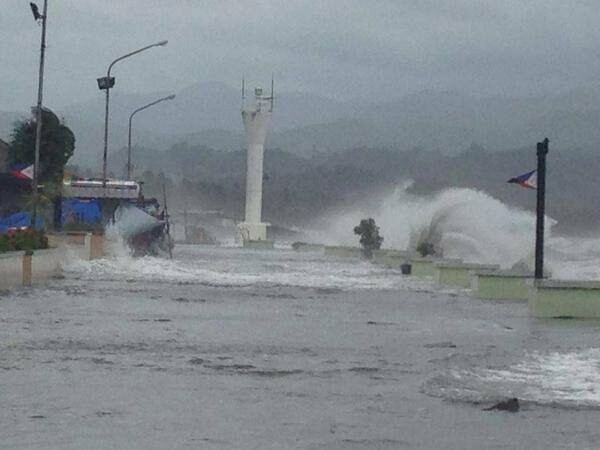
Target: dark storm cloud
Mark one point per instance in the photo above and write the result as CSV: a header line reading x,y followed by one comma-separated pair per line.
x,y
342,48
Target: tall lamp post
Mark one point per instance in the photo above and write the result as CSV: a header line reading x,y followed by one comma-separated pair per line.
x,y
107,82
170,97
542,151
38,112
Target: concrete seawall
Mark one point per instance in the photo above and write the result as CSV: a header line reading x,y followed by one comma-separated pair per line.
x,y
259,245
46,264
564,299
32,268
499,285
24,269
424,266
458,274
11,270
389,258
343,252
306,247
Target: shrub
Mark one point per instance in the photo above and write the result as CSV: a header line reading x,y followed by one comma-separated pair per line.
x,y
4,244
369,236
28,239
426,249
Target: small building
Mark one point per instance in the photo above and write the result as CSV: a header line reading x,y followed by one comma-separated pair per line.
x,y
12,189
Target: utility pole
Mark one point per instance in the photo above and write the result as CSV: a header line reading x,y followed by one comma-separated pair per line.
x,y
542,151
38,119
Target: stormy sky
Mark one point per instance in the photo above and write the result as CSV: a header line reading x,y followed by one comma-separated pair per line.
x,y
344,49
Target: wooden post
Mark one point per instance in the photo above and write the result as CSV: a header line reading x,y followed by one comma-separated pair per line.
x,y
96,246
27,275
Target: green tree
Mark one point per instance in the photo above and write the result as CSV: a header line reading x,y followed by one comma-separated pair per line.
x,y
369,236
57,146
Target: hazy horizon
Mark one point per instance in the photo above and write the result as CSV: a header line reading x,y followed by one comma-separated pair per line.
x,y
344,51
57,107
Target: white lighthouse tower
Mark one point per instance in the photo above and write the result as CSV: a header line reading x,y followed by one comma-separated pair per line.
x,y
253,231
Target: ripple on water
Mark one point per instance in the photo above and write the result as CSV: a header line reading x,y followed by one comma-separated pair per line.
x,y
569,380
216,268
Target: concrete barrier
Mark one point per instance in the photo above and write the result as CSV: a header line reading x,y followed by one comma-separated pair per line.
x,y
458,274
75,237
46,264
423,267
11,270
306,247
564,299
259,245
24,269
96,246
500,285
19,269
79,244
344,252
392,259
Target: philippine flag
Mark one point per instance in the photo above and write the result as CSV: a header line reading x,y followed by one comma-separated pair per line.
x,y
22,171
527,180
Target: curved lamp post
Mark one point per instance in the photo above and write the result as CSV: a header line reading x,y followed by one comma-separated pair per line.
x,y
107,82
170,97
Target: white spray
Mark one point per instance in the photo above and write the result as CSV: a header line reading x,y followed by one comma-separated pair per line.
x,y
463,223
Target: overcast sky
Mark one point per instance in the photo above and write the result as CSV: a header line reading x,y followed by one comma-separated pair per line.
x,y
338,48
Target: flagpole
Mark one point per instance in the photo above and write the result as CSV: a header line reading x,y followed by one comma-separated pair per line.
x,y
542,151
38,120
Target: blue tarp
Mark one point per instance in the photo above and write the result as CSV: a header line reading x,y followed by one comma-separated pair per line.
x,y
81,211
18,220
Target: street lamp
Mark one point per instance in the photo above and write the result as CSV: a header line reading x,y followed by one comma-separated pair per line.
x,y
170,97
107,82
38,112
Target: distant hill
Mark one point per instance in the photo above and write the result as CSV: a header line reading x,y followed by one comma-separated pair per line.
x,y
208,114
297,189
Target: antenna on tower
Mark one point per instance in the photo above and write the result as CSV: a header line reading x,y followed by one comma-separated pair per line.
x,y
243,92
272,90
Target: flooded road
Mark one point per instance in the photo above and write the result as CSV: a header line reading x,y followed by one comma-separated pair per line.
x,y
229,349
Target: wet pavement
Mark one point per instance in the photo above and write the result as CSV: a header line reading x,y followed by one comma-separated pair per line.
x,y
226,349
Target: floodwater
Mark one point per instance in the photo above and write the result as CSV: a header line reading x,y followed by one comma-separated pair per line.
x,y
229,349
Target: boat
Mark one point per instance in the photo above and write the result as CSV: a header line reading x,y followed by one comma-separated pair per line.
x,y
139,221
144,227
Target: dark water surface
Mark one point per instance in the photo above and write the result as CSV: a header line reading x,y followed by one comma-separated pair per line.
x,y
226,349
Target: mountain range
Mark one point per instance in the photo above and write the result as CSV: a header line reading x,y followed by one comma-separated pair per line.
x,y
298,189
306,123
